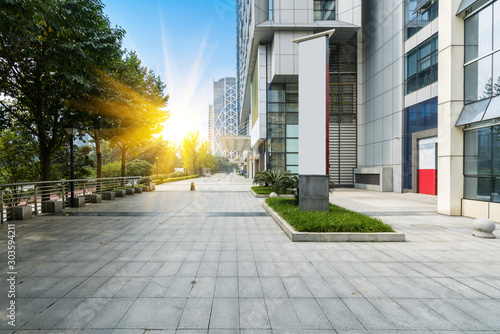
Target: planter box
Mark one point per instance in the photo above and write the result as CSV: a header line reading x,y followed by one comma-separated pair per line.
x,y
121,193
109,195
52,207
332,236
22,212
130,191
138,190
145,188
78,202
95,198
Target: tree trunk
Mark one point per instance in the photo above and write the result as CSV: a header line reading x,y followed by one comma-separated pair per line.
x,y
45,171
99,155
98,152
124,160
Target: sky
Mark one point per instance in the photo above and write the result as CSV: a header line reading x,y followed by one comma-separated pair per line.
x,y
189,43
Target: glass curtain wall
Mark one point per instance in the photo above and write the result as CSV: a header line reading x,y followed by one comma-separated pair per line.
x,y
416,20
482,164
482,54
422,65
283,127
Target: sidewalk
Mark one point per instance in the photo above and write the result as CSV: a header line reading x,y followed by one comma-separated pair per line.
x,y
213,261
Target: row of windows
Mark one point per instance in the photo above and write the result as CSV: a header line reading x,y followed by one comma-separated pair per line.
x,y
482,38
416,20
482,164
283,127
422,65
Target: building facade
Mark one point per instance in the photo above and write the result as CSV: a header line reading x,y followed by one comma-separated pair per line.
x,y
223,117
413,94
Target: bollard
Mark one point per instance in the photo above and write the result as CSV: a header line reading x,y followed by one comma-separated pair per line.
x,y
192,186
483,228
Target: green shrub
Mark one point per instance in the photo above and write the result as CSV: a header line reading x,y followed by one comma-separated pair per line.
x,y
176,174
138,168
269,177
112,169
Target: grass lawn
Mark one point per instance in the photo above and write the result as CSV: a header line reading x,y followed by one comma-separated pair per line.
x,y
337,219
261,190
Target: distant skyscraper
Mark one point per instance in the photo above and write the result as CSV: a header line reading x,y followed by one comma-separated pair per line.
x,y
223,116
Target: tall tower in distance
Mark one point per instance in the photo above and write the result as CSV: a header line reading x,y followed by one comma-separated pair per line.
x,y
223,116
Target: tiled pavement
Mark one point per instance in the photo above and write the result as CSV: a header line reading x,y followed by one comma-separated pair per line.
x,y
211,261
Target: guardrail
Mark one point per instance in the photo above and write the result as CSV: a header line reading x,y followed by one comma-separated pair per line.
x,y
39,195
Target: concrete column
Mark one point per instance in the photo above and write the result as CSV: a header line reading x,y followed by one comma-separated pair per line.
x,y
450,104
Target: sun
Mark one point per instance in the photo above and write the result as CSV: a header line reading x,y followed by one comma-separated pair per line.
x,y
189,95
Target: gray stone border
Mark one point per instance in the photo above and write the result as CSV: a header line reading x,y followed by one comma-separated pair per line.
x,y
267,196
334,236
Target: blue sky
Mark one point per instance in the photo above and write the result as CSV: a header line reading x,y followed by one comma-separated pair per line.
x,y
189,43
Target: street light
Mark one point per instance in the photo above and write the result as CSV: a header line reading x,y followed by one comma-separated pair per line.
x,y
157,167
71,130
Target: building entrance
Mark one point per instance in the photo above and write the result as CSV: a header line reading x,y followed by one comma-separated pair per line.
x,y
427,166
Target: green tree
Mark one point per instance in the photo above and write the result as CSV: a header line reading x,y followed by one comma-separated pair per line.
x,y
48,55
135,108
139,167
195,153
160,153
17,157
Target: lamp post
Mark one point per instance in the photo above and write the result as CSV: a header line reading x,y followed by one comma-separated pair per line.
x,y
157,167
71,130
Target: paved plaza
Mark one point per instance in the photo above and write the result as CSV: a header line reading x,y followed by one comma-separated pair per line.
x,y
212,261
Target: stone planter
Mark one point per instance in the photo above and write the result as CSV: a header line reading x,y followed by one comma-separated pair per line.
x,y
138,190
52,207
95,198
130,191
21,212
145,188
109,195
121,193
78,202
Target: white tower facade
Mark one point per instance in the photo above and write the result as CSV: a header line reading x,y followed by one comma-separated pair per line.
x,y
223,116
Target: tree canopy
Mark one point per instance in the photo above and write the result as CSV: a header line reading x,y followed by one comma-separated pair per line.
x,y
61,62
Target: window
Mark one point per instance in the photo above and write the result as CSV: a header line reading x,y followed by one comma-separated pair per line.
x,y
283,127
482,37
482,164
324,10
422,65
416,20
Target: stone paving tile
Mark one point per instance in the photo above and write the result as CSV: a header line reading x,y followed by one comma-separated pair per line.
x,y
111,314
282,316
194,269
83,313
310,314
196,313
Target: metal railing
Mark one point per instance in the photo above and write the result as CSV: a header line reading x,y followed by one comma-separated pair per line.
x,y
37,195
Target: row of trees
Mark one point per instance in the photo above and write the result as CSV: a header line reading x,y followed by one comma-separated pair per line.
x,y
61,63
19,162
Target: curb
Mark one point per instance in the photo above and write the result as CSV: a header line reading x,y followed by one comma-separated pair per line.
x,y
332,236
267,196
